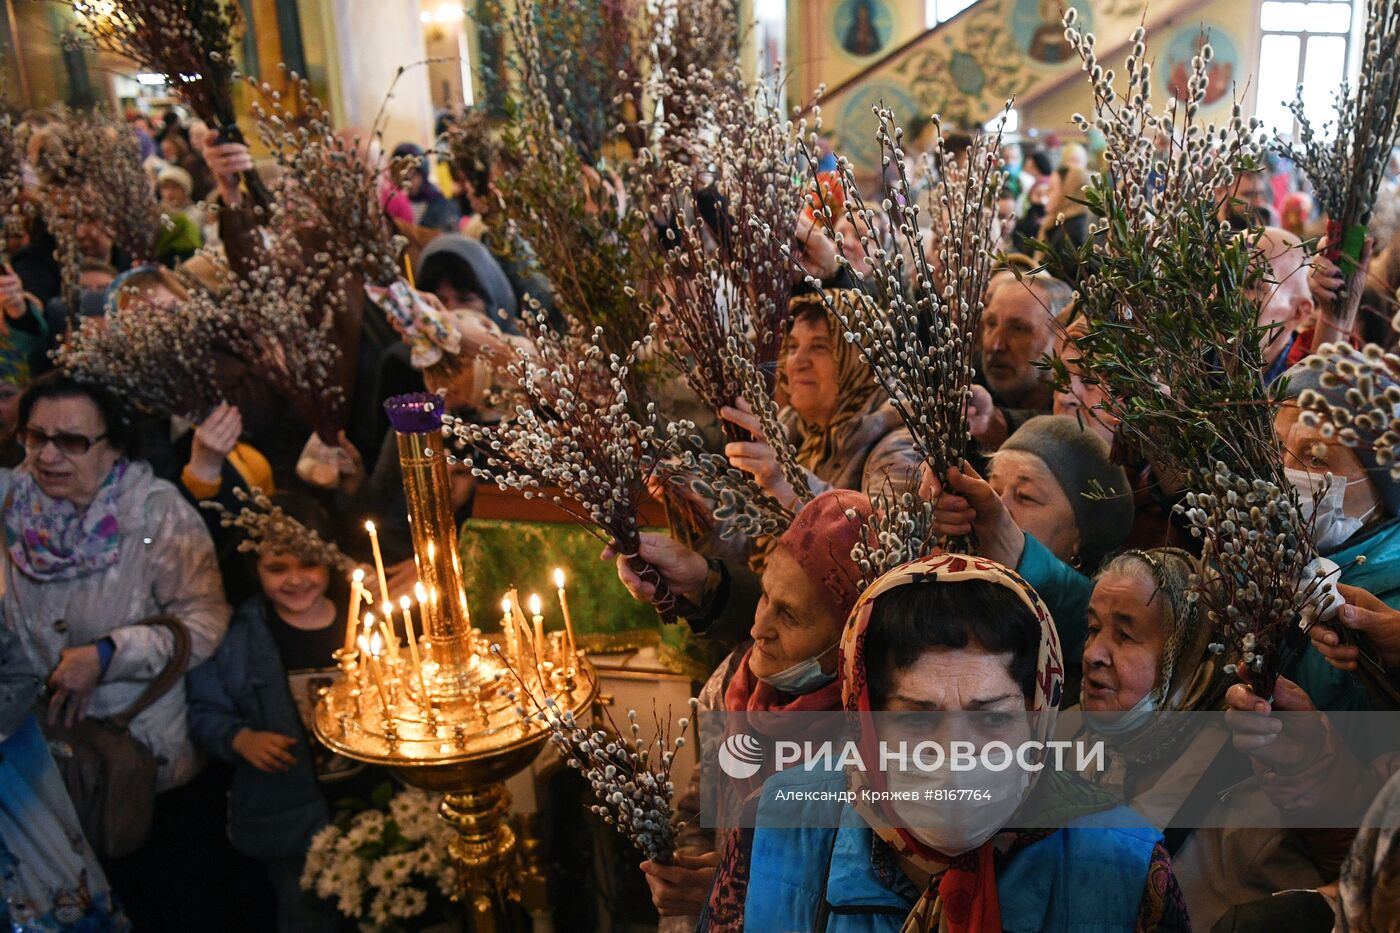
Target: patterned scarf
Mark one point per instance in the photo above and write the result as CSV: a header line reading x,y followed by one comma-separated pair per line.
x,y
1369,892
50,539
962,892
857,394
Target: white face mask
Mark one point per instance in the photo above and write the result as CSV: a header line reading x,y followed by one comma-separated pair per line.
x,y
804,676
953,828
1332,527
1113,725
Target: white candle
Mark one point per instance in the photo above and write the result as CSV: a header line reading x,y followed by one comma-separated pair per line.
x,y
508,630
572,647
385,606
371,647
537,620
352,620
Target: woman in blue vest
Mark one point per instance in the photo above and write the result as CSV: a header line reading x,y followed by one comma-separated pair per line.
x,y
1358,516
950,633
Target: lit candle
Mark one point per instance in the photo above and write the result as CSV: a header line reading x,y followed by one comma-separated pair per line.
x,y
572,648
508,629
385,606
371,648
538,621
352,621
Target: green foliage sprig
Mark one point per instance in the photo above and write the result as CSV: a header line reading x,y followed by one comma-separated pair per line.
x,y
1171,299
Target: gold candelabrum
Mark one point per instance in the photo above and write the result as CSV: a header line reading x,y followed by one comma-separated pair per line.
x,y
438,713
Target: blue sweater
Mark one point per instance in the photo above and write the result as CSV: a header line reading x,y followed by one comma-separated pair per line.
x,y
244,686
1087,879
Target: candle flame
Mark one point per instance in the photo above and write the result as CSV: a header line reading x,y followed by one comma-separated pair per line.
x,y
506,605
420,593
405,603
534,604
358,576
364,644
558,578
369,620
376,644
369,526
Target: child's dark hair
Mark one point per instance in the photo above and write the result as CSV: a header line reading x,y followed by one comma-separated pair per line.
x,y
910,620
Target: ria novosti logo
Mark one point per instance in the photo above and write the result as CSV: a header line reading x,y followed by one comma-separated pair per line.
x,y
740,756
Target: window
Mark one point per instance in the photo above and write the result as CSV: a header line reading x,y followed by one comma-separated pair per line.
x,y
1307,43
1013,122
940,11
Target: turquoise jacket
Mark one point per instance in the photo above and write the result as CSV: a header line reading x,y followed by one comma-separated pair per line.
x,y
1066,593
1087,879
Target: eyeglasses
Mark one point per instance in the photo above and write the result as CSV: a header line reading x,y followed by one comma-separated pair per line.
x,y
72,445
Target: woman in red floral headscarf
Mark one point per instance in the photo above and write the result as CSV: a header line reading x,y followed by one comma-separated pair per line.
x,y
951,633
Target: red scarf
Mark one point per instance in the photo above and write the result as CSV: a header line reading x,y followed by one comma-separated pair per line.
x,y
746,693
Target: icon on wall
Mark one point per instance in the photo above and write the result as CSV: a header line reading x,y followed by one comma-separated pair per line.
x,y
1039,30
1222,69
863,27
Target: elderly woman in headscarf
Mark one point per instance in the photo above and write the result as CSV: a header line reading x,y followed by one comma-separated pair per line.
x,y
846,432
1147,651
950,633
1054,506
788,665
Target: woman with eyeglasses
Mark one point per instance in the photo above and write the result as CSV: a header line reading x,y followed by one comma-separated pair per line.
x,y
95,544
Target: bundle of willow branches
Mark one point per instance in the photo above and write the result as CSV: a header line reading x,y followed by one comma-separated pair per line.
x,y
597,93
630,776
917,322
694,64
579,440
1171,302
155,353
333,187
1346,170
183,357
89,166
267,529
13,208
335,180
190,42
723,284
573,216
282,321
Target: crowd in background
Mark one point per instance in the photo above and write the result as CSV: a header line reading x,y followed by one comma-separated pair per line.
x,y
104,533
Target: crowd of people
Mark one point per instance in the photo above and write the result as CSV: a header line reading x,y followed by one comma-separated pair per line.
x,y
1078,595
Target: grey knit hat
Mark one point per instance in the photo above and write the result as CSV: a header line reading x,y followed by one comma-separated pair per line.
x,y
1097,488
1304,376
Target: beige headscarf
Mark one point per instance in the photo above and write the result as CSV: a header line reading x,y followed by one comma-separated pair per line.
x,y
857,394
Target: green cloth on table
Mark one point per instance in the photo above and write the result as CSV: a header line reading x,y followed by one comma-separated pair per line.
x,y
499,554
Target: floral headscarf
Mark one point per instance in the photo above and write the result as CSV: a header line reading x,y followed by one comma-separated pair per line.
x,y
1369,893
962,895
857,393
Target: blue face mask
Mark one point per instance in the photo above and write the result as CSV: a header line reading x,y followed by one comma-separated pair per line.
x,y
1117,725
803,677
